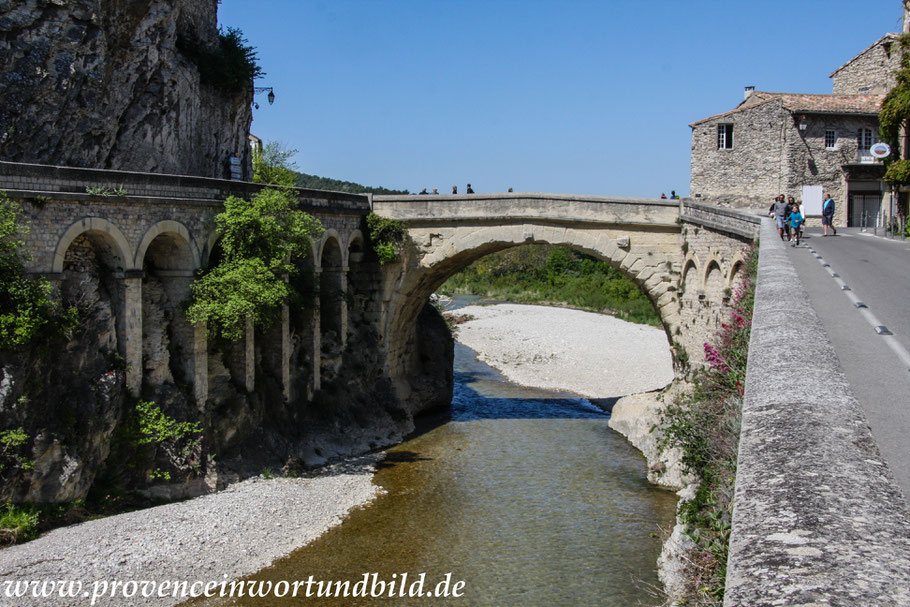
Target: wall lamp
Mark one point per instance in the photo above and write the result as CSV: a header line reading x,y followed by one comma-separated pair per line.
x,y
262,89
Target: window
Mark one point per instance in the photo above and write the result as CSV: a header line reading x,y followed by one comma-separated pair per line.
x,y
864,139
724,136
830,139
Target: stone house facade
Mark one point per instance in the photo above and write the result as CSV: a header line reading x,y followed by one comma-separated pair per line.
x,y
777,143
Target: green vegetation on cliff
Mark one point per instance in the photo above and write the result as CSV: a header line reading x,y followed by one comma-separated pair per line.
x,y
554,275
25,308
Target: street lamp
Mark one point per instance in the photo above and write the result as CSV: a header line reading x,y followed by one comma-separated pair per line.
x,y
262,89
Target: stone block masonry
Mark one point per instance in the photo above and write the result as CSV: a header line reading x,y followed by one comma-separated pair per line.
x,y
818,519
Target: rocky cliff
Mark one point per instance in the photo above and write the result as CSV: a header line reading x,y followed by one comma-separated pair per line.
x,y
111,84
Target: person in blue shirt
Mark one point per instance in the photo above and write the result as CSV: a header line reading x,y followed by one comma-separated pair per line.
x,y
828,214
795,219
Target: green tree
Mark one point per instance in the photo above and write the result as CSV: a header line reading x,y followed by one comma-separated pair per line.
x,y
895,116
261,240
272,165
25,309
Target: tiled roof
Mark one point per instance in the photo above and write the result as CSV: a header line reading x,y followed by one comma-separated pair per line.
x,y
810,104
888,37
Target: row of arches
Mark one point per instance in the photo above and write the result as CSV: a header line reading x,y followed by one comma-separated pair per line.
x,y
707,280
137,294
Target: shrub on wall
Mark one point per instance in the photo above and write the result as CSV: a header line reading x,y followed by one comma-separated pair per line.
x,y
25,308
261,239
386,236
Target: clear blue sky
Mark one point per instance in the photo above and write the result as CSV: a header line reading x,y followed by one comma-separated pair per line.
x,y
564,96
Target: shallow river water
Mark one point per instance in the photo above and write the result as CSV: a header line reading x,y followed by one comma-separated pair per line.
x,y
526,496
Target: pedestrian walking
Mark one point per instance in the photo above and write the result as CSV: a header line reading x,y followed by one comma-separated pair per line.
x,y
469,190
454,189
828,215
778,211
795,220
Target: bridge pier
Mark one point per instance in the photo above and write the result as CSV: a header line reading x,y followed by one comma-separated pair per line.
x,y
132,303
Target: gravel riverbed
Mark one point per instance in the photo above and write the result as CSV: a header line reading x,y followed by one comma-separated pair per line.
x,y
231,533
590,354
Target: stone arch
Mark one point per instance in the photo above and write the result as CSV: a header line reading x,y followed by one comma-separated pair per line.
x,y
736,267
101,228
169,227
205,256
355,244
690,282
714,280
332,302
168,258
437,253
92,263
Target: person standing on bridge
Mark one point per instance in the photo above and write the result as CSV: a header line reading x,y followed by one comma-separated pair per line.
x,y
469,191
454,189
779,212
828,214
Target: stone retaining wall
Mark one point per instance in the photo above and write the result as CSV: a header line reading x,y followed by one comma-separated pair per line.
x,y
818,519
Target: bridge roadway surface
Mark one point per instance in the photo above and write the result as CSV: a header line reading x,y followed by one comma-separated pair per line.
x,y
877,272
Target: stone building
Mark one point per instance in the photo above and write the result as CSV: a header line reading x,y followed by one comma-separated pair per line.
x,y
780,143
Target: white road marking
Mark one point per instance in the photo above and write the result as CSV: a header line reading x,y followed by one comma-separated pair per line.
x,y
902,354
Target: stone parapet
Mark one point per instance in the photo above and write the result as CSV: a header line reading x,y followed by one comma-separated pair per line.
x,y
734,221
818,519
22,180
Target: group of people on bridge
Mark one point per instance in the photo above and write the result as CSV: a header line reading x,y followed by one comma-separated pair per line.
x,y
790,220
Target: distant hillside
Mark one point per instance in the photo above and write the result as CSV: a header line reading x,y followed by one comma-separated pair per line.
x,y
314,182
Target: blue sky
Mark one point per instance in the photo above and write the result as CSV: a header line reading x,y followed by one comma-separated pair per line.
x,y
564,96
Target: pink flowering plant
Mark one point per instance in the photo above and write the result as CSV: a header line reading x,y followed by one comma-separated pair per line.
x,y
704,425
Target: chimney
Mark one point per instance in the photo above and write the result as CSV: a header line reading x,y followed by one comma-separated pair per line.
x,y
751,89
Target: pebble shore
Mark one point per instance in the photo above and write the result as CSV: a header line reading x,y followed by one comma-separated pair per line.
x,y
231,533
590,354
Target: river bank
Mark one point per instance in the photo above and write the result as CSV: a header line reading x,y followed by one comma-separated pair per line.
x,y
224,535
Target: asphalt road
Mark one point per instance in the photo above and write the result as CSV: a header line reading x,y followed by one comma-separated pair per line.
x,y
876,274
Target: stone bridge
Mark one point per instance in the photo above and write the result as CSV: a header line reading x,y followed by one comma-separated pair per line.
x,y
151,239
685,257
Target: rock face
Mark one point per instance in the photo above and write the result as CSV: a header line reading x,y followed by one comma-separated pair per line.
x,y
102,84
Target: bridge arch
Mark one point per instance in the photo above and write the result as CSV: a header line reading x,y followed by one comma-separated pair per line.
x,y
169,228
98,227
437,254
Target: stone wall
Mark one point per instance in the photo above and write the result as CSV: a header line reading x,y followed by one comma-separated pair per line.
x,y
818,518
753,172
871,72
101,83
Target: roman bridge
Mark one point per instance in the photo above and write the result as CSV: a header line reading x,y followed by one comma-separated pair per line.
x,y
684,256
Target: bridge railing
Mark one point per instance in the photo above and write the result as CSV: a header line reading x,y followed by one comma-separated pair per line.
x,y
21,180
817,516
734,221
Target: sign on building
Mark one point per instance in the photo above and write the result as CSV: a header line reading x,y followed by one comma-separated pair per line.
x,y
812,200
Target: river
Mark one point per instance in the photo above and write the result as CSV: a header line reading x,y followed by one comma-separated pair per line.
x,y
525,495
